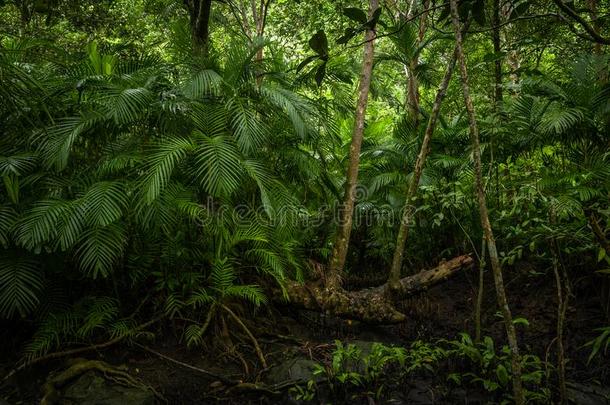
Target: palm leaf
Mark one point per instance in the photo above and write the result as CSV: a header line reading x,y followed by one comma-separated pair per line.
x,y
218,165
20,287
99,250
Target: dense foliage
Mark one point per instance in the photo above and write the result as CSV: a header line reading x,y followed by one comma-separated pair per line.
x,y
157,165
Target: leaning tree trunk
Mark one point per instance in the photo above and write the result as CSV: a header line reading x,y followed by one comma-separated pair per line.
x,y
409,209
485,223
340,247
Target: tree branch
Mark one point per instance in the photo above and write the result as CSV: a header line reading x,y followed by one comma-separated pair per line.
x,y
595,36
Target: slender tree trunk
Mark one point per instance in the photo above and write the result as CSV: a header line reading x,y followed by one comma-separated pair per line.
x,y
200,11
340,247
260,21
486,225
412,102
480,291
409,209
563,289
495,33
510,36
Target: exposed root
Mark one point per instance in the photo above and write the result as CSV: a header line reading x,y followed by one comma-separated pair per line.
x,y
80,367
80,350
259,352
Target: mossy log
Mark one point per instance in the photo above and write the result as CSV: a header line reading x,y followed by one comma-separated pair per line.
x,y
374,305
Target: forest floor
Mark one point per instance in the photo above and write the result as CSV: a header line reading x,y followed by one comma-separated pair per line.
x,y
440,313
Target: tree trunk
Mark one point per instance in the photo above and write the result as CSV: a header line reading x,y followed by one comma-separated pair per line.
x,y
485,223
563,295
409,209
370,305
346,212
495,33
199,12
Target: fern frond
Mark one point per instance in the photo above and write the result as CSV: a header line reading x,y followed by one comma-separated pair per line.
x,y
39,224
8,218
104,202
223,275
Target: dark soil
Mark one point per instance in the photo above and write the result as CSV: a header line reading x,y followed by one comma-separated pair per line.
x,y
442,312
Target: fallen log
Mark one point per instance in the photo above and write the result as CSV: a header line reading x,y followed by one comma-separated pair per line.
x,y
374,305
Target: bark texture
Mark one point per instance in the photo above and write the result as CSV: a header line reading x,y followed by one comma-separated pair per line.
x,y
341,244
199,12
485,223
370,305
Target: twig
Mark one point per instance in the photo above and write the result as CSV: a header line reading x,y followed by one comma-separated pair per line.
x,y
220,377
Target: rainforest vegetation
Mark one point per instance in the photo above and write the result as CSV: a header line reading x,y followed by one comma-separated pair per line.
x,y
314,201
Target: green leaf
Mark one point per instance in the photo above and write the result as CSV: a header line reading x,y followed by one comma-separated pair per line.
x,y
319,44
374,19
601,254
218,165
160,165
39,225
99,250
307,61
248,128
521,321
8,218
11,183
320,72
355,14
104,202
502,374
20,287
349,34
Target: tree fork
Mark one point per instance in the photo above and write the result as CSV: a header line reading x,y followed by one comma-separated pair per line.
x,y
371,305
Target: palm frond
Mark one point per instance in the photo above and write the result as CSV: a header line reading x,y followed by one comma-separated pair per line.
x,y
99,249
20,286
104,202
218,165
251,293
161,163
